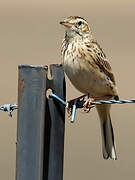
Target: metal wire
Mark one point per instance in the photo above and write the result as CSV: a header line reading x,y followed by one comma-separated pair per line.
x,y
81,102
9,108
77,104
54,96
74,111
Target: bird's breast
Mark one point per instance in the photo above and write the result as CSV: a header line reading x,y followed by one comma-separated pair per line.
x,y
85,75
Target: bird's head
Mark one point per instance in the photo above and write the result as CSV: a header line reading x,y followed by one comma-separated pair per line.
x,y
75,25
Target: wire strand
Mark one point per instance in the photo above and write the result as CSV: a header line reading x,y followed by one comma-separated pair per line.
x,y
79,104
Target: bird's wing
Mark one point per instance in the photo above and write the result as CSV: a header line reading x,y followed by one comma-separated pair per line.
x,y
99,57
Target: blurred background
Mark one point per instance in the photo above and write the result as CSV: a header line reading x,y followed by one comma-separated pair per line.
x,y
30,34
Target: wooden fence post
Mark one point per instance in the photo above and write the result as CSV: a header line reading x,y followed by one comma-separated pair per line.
x,y
41,123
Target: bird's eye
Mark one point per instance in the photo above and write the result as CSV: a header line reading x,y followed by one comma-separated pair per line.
x,y
80,23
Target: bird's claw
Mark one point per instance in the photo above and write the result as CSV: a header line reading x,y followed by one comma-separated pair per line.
x,y
87,105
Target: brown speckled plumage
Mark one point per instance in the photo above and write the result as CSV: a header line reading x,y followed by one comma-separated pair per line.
x,y
88,69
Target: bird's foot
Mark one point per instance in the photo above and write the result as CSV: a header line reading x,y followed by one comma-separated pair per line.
x,y
87,105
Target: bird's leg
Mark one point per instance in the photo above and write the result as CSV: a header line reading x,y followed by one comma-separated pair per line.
x,y
87,105
71,102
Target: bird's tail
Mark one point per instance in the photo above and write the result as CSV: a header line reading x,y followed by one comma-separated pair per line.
x,y
106,131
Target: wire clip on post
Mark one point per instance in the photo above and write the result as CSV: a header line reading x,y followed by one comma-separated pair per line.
x,y
79,103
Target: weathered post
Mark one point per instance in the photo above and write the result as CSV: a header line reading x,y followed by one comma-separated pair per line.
x,y
30,126
54,127
41,124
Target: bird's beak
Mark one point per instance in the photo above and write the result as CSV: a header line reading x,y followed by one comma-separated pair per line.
x,y
66,24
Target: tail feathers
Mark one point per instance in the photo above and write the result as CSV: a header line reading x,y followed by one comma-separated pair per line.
x,y
108,139
107,133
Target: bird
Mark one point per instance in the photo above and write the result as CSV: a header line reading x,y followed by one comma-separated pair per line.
x,y
90,72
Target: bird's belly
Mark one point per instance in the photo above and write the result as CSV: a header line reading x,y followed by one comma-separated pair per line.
x,y
86,78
